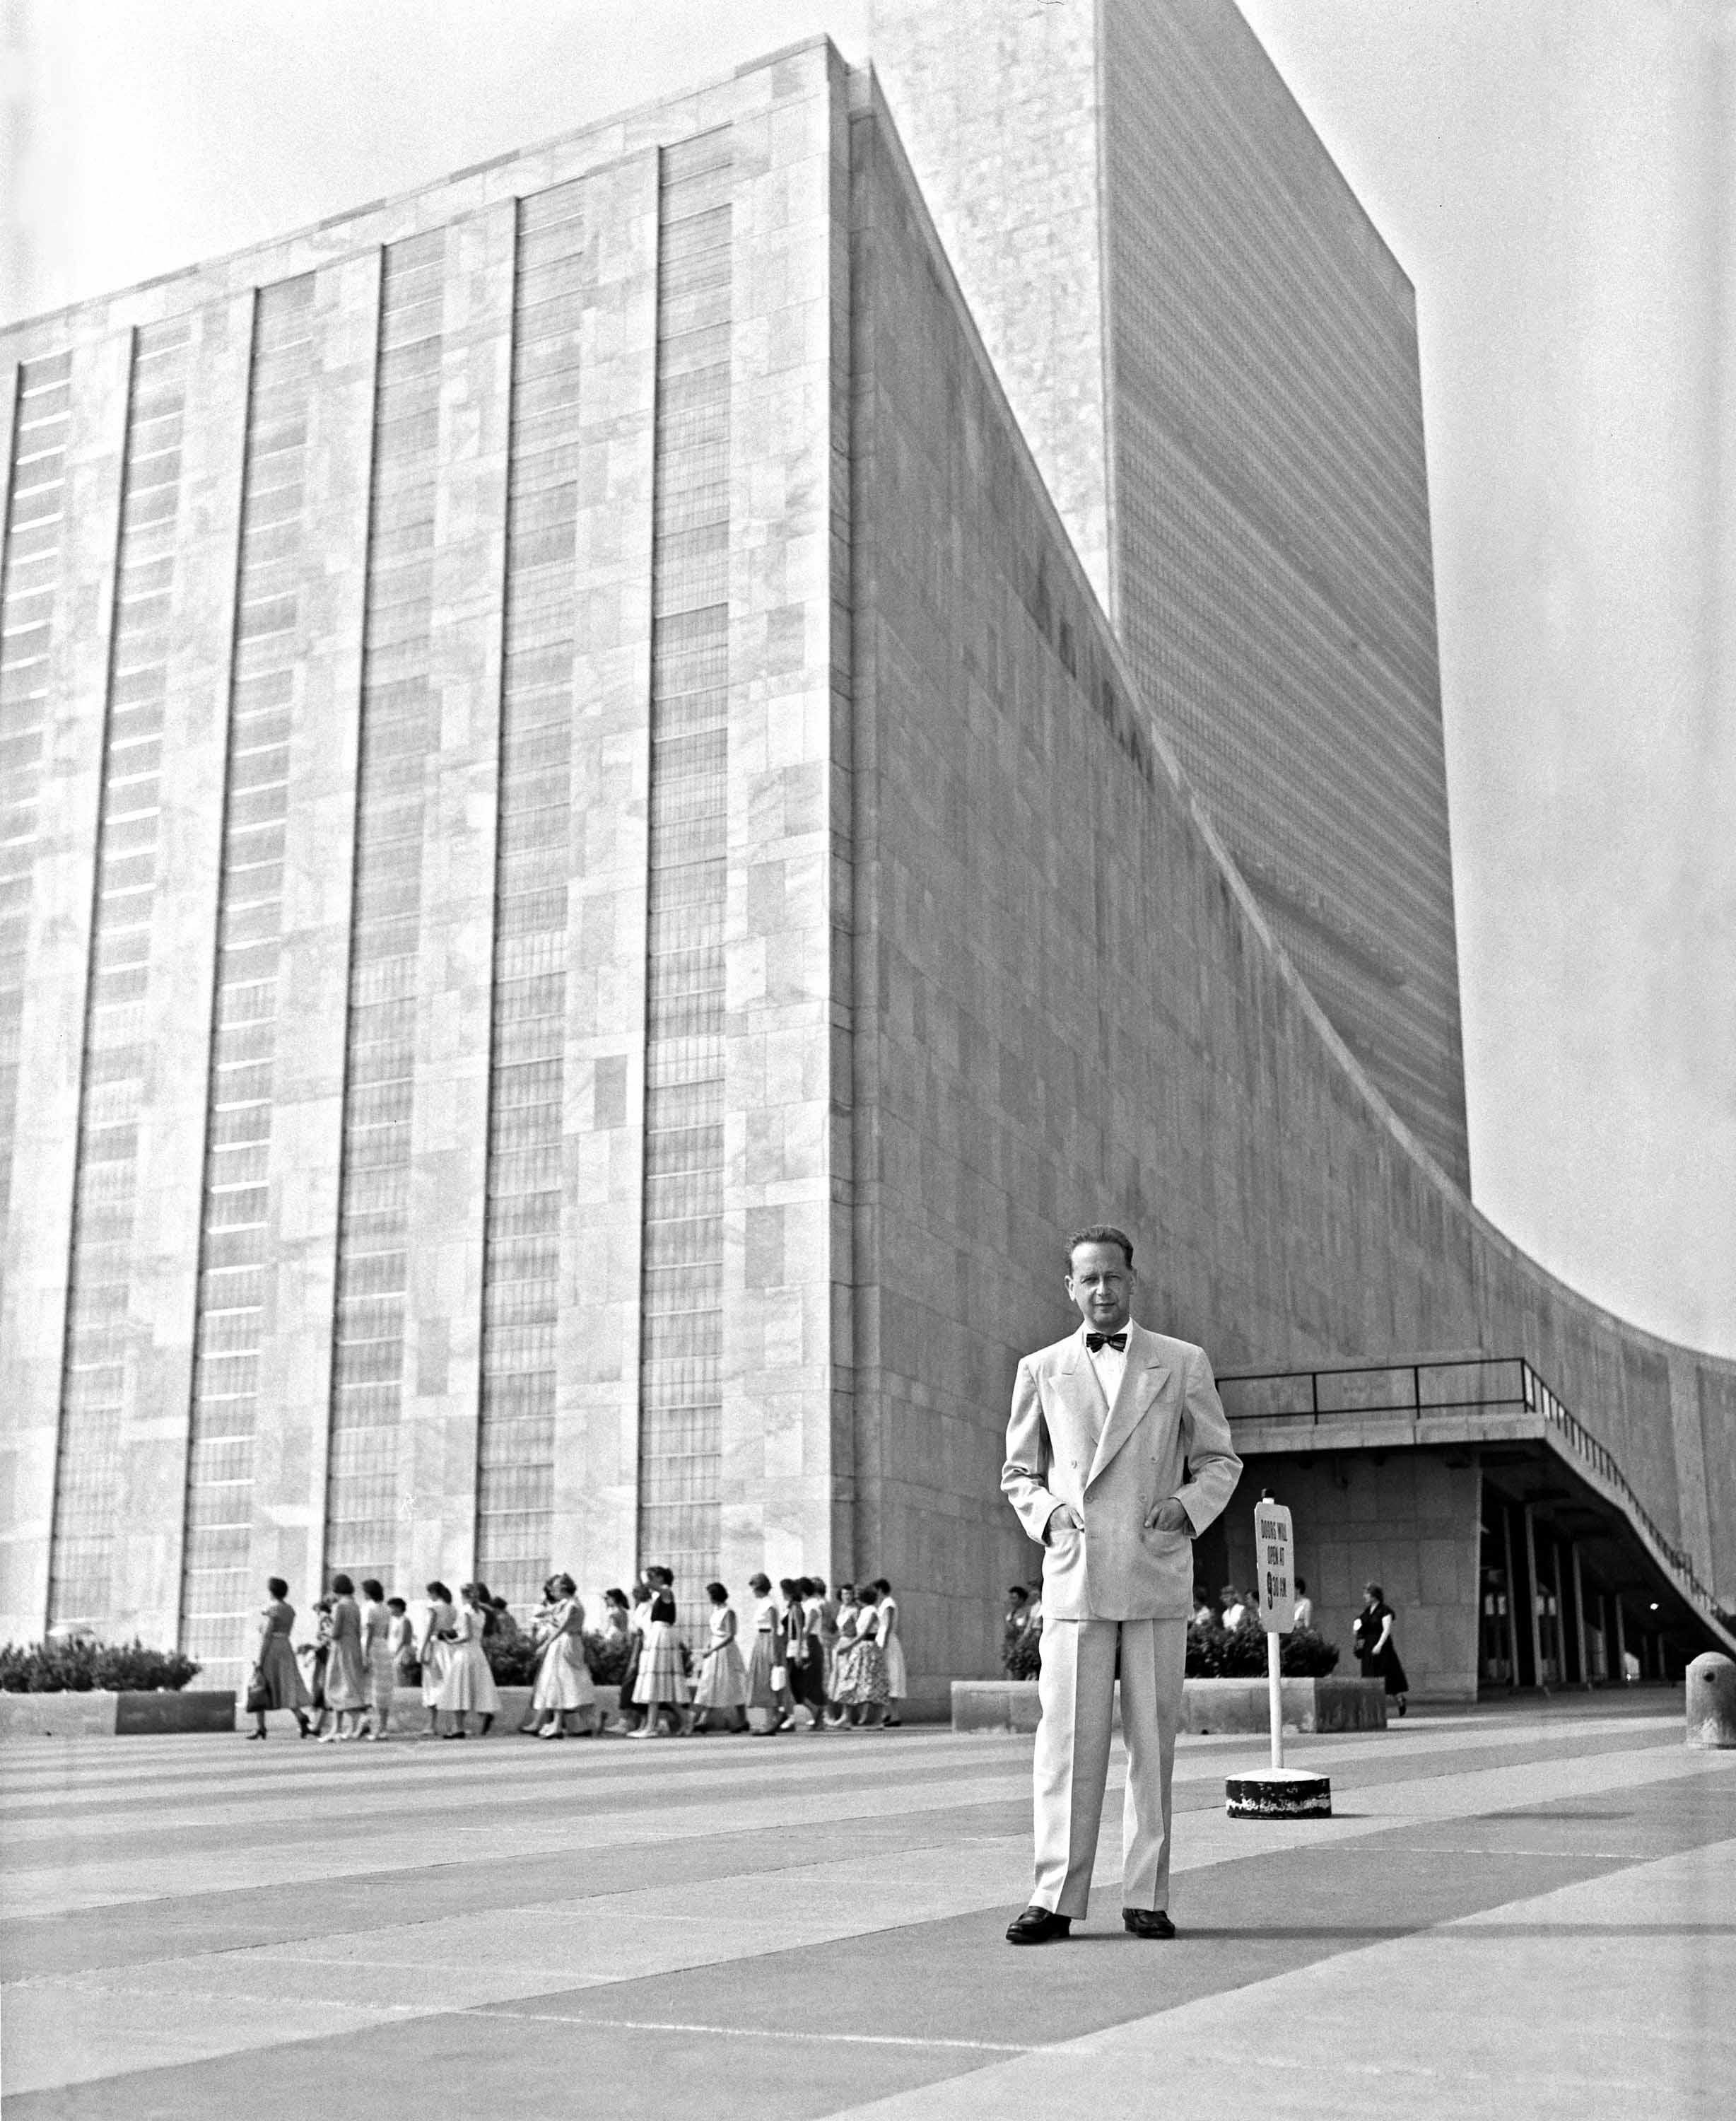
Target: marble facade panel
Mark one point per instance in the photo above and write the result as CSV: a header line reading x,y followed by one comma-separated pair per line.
x,y
596,1466
39,1233
169,1181
292,1448
450,1123
783,1245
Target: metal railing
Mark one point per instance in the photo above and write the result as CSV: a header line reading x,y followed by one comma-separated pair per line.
x,y
1464,1385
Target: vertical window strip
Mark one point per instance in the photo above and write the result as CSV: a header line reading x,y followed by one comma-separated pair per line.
x,y
216,1600
399,736
31,562
522,1241
680,1385
87,1470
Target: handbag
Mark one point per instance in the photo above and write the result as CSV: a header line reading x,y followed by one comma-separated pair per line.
x,y
258,1693
780,1679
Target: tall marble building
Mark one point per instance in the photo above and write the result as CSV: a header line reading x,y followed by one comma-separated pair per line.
x,y
589,890
1214,355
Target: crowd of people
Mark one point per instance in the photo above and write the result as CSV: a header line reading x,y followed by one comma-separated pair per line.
x,y
838,1661
1234,1607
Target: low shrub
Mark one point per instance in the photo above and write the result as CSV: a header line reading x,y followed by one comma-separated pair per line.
x,y
1306,1654
79,1666
513,1662
1216,1652
606,1655
512,1659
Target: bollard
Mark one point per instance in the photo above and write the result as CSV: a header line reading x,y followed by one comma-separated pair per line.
x,y
1711,1700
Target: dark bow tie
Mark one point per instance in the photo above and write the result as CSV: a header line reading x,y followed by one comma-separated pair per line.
x,y
1118,1341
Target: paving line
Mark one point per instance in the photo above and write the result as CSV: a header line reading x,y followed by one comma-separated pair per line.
x,y
76,1782
506,2013
427,1763
274,1998
596,1771
119,1880
113,1816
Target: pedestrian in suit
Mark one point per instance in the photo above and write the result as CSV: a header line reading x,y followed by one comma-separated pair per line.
x,y
1118,1455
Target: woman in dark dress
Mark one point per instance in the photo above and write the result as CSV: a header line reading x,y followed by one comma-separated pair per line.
x,y
277,1678
1373,1637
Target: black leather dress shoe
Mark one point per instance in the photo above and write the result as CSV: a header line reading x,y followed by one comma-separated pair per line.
x,y
1146,1922
1038,1926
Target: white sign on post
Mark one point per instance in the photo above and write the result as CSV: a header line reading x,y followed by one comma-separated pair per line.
x,y
1274,1549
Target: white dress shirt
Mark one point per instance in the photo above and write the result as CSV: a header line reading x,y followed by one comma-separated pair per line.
x,y
1109,1364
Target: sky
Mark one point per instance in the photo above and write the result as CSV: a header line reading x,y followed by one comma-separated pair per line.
x,y
1557,177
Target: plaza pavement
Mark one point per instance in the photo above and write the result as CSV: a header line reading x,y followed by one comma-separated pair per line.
x,y
1525,1910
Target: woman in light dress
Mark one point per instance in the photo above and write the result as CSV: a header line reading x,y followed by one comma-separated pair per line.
x,y
887,1633
768,1681
401,1635
467,1685
347,1688
723,1679
827,1609
849,1617
638,1620
378,1655
433,1651
563,1685
663,1678
862,1669
276,1672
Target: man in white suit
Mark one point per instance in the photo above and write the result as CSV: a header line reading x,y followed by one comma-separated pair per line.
x,y
1118,1455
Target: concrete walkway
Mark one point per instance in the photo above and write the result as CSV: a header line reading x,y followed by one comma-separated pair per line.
x,y
1529,1911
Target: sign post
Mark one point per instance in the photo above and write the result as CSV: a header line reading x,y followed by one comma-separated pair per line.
x,y
1277,1792
1274,1549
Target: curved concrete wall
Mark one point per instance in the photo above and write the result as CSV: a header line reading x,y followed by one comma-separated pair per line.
x,y
1068,1006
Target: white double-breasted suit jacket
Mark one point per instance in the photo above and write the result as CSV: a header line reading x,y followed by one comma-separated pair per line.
x,y
1166,1435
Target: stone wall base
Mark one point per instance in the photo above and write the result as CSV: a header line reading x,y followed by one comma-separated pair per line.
x,y
101,1714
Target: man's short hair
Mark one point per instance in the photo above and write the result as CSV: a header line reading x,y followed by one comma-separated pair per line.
x,y
1100,1234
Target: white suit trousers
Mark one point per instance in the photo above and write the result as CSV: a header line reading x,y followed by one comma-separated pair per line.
x,y
1076,1688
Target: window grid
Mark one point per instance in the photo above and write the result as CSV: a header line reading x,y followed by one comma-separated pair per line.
x,y
93,1378
217,1592
679,1385
399,736
515,1446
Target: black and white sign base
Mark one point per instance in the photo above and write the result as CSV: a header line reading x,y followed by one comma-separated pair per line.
x,y
1278,1793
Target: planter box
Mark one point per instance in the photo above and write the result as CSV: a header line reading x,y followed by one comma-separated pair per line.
x,y
1331,1704
99,1714
1207,1704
